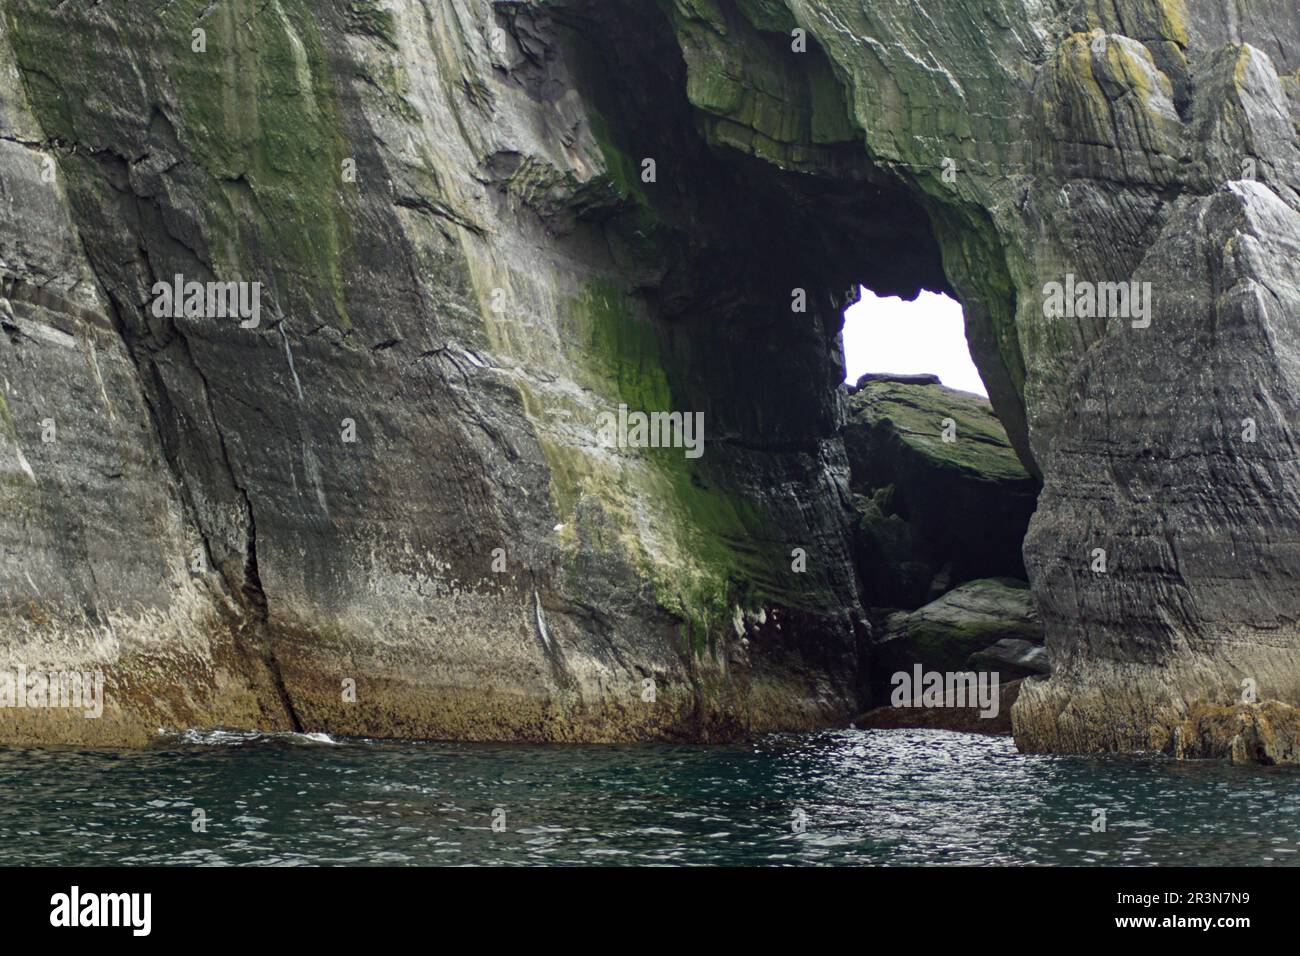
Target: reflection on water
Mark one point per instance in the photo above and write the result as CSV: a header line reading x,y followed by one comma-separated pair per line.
x,y
864,797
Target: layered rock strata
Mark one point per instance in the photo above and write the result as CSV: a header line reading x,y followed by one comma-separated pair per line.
x,y
478,227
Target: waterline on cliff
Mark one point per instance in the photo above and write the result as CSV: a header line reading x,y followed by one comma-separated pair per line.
x,y
218,737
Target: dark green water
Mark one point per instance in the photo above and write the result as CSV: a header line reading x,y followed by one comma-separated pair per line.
x,y
868,797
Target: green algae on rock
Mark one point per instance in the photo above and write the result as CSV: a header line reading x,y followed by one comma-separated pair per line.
x,y
940,495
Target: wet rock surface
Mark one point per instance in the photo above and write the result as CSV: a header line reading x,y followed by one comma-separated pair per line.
x,y
1012,656
988,626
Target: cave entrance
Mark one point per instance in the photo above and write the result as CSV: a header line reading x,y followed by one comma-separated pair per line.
x,y
941,496
941,501
927,335
763,217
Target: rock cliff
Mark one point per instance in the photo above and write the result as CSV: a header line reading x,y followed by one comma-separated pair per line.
x,y
479,228
940,494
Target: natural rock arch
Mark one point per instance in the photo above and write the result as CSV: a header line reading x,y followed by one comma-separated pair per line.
x,y
499,273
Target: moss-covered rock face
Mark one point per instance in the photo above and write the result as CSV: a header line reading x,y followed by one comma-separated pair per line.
x,y
940,495
481,228
247,97
397,481
953,431
1106,143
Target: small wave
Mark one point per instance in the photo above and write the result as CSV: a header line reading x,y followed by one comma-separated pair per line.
x,y
242,738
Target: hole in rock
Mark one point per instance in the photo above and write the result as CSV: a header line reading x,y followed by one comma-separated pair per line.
x,y
763,218
941,500
886,334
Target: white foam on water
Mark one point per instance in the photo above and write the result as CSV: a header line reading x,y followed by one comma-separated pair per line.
x,y
235,738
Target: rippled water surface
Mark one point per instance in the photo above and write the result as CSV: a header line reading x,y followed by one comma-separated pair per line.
x,y
867,797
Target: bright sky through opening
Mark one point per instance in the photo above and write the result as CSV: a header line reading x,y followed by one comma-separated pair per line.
x,y
928,335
